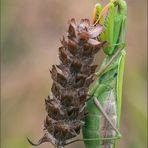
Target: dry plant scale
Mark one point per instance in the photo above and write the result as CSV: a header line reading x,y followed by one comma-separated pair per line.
x,y
77,102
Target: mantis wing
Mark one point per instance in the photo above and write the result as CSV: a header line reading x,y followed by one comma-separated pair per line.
x,y
119,85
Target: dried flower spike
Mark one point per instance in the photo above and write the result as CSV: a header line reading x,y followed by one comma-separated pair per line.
x,y
71,79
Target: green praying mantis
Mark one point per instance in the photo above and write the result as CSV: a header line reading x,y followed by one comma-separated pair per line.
x,y
105,94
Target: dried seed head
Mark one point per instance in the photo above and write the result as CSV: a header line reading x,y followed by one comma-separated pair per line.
x,y
71,80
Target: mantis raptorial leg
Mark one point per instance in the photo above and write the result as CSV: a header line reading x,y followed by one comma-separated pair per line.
x,y
109,62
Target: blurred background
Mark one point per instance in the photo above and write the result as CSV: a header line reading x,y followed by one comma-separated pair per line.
x,y
30,34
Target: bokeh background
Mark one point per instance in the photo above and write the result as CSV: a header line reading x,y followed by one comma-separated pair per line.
x,y
30,34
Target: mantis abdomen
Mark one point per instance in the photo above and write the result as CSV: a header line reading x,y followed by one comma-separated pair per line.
x,y
105,90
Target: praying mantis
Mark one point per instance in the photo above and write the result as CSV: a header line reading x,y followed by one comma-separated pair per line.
x,y
105,94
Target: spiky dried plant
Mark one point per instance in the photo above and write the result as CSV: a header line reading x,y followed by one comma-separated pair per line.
x,y
71,79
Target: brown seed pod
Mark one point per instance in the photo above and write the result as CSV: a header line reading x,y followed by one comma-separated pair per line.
x,y
71,80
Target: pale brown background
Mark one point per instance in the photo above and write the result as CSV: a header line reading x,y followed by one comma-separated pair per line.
x,y
31,30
